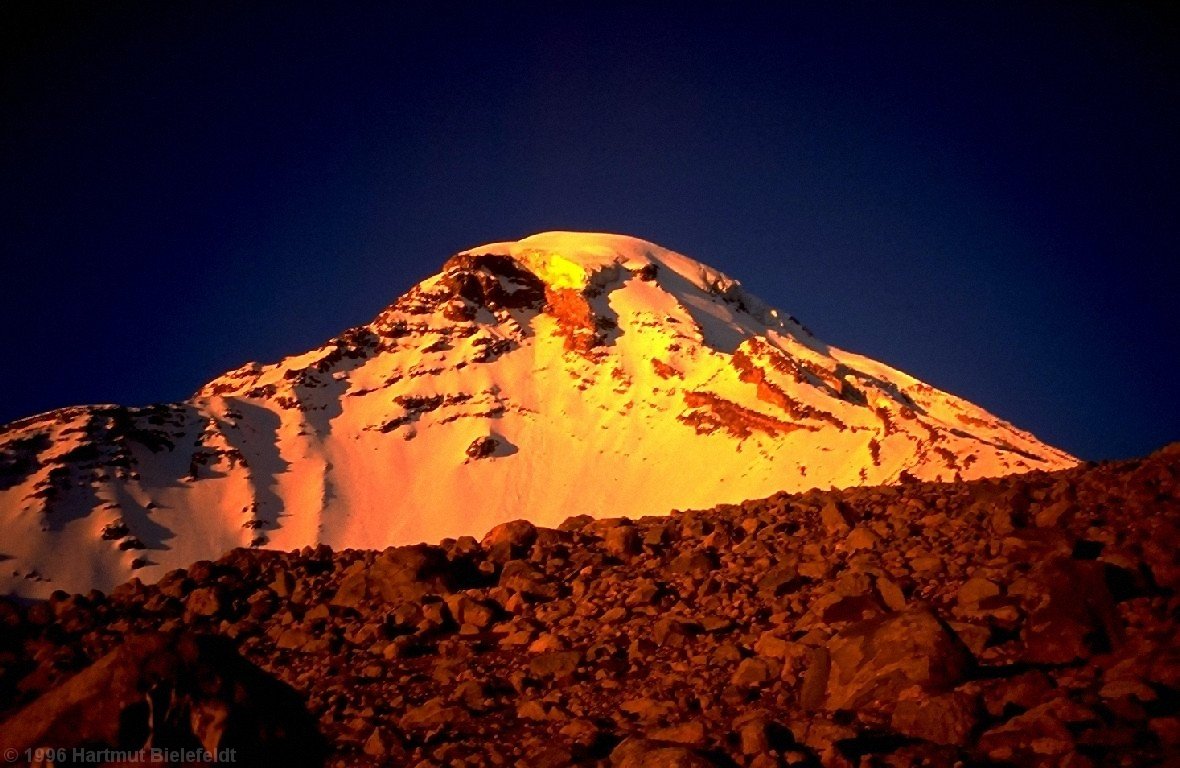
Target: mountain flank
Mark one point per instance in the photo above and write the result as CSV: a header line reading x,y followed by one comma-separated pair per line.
x,y
565,371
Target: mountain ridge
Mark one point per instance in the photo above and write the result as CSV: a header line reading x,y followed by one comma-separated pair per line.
x,y
565,370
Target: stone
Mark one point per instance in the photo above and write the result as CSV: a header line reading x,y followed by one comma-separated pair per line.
x,y
551,756
1027,739
531,709
692,561
778,580
976,590
667,632
1071,613
482,447
203,601
636,752
772,646
1051,515
890,593
581,732
815,679
973,636
941,718
752,672
510,540
1166,730
474,613
834,518
557,665
293,638
433,713
622,541
874,660
691,734
860,538
396,574
521,576
753,738
1020,692
379,743
646,710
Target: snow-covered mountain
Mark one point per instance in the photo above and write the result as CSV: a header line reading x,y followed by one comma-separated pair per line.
x,y
564,374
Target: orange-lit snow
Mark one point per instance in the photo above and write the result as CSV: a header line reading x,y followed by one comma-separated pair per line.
x,y
701,394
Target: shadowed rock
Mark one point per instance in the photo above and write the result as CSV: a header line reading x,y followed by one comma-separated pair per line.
x,y
649,753
186,692
398,573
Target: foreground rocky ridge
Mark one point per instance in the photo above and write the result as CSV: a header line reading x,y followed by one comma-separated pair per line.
x,y
1026,620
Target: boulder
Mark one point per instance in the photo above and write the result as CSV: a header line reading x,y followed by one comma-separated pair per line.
x,y
558,665
510,540
941,718
432,714
834,518
875,660
1028,739
1071,613
521,576
622,541
779,580
753,672
204,601
691,734
636,752
692,561
976,590
396,574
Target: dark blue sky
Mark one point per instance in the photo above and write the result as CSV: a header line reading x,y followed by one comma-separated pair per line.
x,y
985,196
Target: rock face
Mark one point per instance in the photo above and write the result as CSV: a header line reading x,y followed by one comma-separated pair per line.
x,y
559,374
975,628
186,693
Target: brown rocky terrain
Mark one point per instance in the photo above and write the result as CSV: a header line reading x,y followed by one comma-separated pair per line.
x,y
1029,620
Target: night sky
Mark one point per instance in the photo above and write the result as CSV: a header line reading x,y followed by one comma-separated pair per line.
x,y
983,196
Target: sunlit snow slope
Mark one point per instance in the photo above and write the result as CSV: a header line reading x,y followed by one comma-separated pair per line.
x,y
563,374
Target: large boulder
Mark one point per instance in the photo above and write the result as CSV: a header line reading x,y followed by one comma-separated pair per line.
x,y
397,574
172,692
877,659
1071,612
508,541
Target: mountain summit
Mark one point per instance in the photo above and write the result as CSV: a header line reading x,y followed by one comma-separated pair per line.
x,y
563,374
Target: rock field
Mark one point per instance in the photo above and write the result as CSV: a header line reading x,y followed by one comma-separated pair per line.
x,y
1027,621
